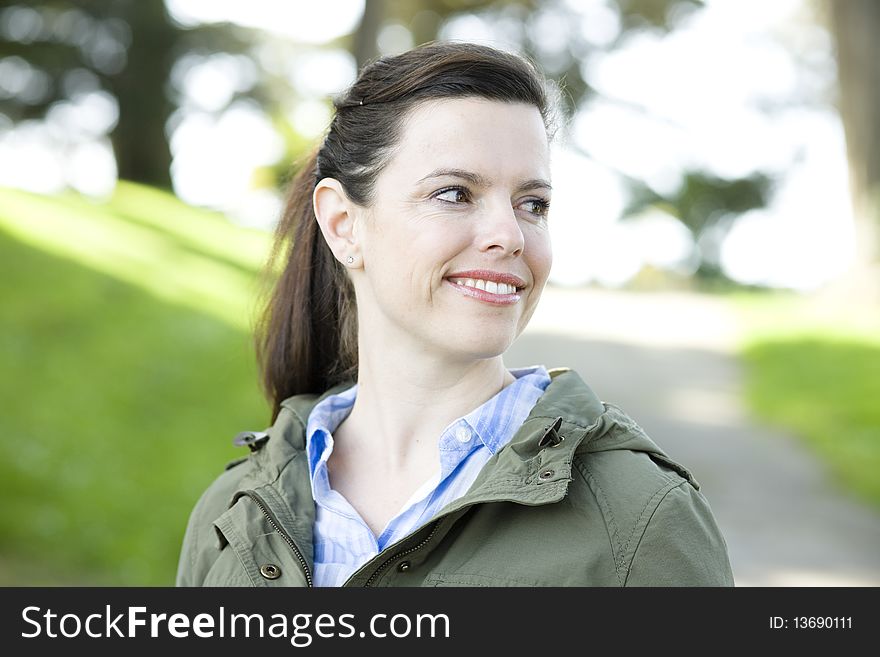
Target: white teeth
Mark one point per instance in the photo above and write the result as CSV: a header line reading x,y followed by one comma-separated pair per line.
x,y
489,286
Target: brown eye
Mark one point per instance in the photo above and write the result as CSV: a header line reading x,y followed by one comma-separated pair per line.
x,y
537,206
453,195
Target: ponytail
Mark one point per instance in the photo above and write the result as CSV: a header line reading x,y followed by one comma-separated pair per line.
x,y
306,335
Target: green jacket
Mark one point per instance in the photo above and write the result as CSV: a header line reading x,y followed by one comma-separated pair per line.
x,y
579,497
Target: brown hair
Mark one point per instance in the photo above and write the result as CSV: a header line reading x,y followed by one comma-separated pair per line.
x,y
307,334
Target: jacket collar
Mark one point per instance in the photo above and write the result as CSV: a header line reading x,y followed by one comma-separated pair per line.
x,y
534,468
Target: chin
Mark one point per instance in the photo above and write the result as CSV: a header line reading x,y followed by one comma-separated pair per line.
x,y
475,340
484,349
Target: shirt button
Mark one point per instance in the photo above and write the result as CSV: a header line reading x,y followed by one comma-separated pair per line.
x,y
463,434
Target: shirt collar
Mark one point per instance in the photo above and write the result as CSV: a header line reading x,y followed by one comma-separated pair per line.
x,y
494,423
325,417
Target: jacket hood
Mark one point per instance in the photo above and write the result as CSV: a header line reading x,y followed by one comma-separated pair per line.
x,y
608,427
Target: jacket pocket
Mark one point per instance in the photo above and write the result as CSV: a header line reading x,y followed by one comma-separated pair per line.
x,y
227,571
255,553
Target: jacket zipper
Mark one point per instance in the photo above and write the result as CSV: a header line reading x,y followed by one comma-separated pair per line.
x,y
403,554
262,505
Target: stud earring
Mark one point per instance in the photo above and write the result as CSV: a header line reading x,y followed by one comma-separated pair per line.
x,y
349,259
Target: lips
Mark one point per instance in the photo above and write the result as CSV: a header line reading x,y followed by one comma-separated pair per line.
x,y
496,288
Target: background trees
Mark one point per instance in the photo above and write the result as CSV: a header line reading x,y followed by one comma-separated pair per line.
x,y
119,70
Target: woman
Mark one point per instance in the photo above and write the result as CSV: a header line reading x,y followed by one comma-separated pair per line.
x,y
415,248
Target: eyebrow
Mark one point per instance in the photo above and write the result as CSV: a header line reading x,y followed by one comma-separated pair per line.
x,y
481,181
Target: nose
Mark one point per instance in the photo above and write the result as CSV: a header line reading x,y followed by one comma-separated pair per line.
x,y
499,230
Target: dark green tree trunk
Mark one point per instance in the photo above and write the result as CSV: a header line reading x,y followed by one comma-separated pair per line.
x,y
366,37
139,140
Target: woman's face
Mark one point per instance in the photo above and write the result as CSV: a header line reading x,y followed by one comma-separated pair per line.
x,y
455,248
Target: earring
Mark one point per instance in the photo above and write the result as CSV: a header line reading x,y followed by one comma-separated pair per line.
x,y
349,259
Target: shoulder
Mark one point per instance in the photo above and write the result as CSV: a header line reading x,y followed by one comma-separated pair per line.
x,y
272,450
659,523
201,544
621,464
216,498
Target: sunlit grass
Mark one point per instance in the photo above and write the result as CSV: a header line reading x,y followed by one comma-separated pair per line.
x,y
149,239
127,369
813,367
790,315
206,232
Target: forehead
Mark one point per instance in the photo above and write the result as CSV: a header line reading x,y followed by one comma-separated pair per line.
x,y
496,139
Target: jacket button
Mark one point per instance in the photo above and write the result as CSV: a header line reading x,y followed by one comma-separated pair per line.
x,y
403,566
270,571
547,474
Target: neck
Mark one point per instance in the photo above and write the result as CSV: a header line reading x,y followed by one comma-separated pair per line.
x,y
406,399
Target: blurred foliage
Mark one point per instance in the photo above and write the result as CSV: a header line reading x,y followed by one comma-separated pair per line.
x,y
126,397
708,206
561,56
56,51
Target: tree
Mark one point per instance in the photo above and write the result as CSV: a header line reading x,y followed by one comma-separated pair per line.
x,y
126,48
855,25
129,50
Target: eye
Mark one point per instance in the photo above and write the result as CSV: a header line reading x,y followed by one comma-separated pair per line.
x,y
453,195
537,206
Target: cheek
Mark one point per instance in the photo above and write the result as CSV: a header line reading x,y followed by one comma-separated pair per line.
x,y
539,254
408,264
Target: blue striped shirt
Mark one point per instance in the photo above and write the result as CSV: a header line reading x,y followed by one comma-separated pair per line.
x,y
343,540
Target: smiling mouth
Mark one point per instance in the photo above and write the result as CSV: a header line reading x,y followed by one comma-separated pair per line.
x,y
492,287
488,286
488,280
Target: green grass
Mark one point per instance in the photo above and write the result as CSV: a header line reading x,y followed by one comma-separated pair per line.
x,y
814,368
127,369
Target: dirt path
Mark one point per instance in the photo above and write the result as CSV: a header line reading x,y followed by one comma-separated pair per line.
x,y
668,361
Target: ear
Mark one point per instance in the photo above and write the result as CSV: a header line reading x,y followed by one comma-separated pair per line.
x,y
336,217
